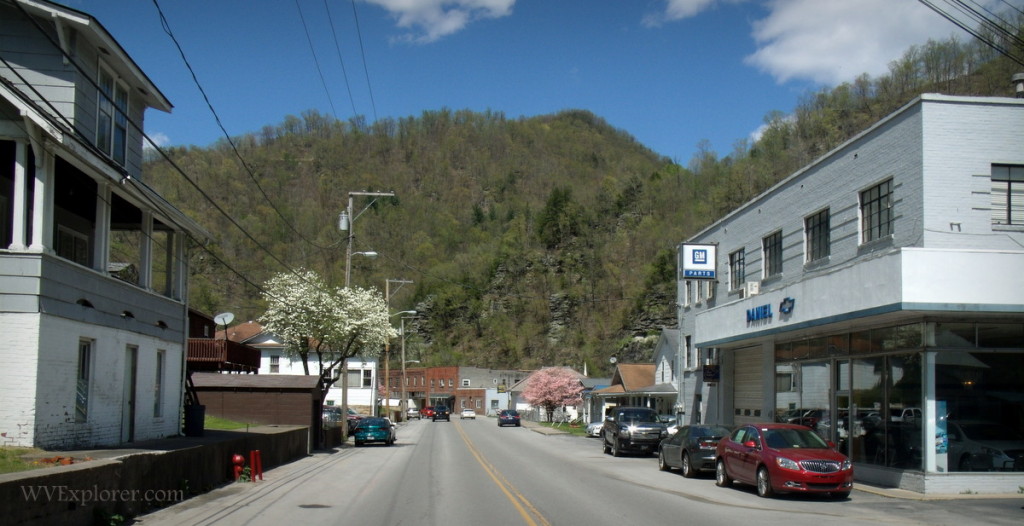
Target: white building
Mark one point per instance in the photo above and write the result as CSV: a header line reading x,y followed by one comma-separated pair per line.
x,y
362,371
94,342
884,280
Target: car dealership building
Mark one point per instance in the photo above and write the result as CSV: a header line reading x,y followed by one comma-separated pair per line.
x,y
877,295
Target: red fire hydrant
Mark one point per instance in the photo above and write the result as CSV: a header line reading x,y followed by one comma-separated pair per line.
x,y
239,462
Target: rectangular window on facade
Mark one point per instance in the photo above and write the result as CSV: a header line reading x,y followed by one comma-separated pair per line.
x,y
84,375
688,353
817,236
367,378
1007,194
711,288
771,246
876,218
451,383
120,138
700,293
465,382
275,364
105,111
737,272
687,293
158,386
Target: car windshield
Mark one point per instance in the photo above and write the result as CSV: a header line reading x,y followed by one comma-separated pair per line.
x,y
788,438
637,416
509,413
373,423
718,432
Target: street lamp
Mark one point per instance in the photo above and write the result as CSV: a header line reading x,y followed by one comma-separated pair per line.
x,y
346,222
405,398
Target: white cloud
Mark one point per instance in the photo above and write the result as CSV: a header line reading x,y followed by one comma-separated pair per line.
x,y
834,41
160,139
678,10
430,20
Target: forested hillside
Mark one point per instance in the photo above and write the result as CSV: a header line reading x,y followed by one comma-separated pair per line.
x,y
536,241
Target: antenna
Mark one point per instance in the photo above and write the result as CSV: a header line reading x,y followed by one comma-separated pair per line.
x,y
224,319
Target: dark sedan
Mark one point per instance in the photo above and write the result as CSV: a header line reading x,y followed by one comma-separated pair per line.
x,y
509,417
691,449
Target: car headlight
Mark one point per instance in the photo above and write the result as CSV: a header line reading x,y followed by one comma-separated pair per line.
x,y
664,433
786,463
626,431
847,464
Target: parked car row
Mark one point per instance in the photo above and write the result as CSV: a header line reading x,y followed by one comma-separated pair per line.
x,y
774,457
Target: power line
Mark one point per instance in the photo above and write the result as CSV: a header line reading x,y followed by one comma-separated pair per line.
x,y
337,47
985,23
167,29
362,53
316,61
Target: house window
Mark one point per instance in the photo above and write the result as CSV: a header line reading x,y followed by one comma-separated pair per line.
x,y
275,364
772,248
687,293
451,383
1007,194
112,117
817,236
465,382
158,386
72,245
431,383
367,378
690,359
737,273
700,293
784,382
876,212
710,284
84,374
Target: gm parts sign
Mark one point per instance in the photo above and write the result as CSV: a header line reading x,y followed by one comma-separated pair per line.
x,y
697,261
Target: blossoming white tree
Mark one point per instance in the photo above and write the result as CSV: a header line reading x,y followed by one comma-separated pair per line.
x,y
552,387
333,324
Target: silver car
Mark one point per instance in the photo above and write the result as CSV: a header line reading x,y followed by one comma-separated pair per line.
x,y
977,445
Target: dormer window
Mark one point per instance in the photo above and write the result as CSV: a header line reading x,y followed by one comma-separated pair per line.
x,y
112,117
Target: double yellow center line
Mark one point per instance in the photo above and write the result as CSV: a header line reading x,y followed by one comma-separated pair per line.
x,y
526,510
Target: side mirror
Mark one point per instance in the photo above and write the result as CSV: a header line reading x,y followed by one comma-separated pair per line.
x,y
750,444
609,418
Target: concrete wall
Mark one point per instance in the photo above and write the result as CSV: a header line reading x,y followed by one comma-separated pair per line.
x,y
122,485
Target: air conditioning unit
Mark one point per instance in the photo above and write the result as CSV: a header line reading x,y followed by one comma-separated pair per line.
x,y
751,288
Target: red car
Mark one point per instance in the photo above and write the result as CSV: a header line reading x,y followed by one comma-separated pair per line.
x,y
427,412
782,458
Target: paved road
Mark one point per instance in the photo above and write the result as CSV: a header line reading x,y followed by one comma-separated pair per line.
x,y
473,473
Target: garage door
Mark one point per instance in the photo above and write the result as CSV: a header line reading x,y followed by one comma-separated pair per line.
x,y
748,391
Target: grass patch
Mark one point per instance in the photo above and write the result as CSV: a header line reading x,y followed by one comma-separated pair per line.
x,y
223,424
11,461
578,431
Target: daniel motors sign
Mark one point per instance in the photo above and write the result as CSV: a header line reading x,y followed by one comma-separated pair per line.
x,y
697,261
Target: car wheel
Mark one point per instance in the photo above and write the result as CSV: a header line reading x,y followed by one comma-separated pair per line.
x,y
687,469
722,478
616,450
764,483
662,465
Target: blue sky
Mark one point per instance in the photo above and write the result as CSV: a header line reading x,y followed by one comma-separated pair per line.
x,y
669,72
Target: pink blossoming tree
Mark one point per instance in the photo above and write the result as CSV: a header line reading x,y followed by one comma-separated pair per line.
x,y
552,387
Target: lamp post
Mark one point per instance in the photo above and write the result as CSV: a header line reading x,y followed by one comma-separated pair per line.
x,y
346,222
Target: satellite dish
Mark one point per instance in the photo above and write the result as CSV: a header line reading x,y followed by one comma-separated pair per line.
x,y
613,359
223,318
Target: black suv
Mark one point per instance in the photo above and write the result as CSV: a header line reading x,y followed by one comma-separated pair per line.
x,y
632,429
441,412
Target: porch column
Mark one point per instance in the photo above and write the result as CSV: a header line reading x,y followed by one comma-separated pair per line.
x,y
42,202
146,252
101,230
19,204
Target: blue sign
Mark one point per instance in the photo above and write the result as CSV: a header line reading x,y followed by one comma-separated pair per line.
x,y
787,305
700,256
762,312
698,273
